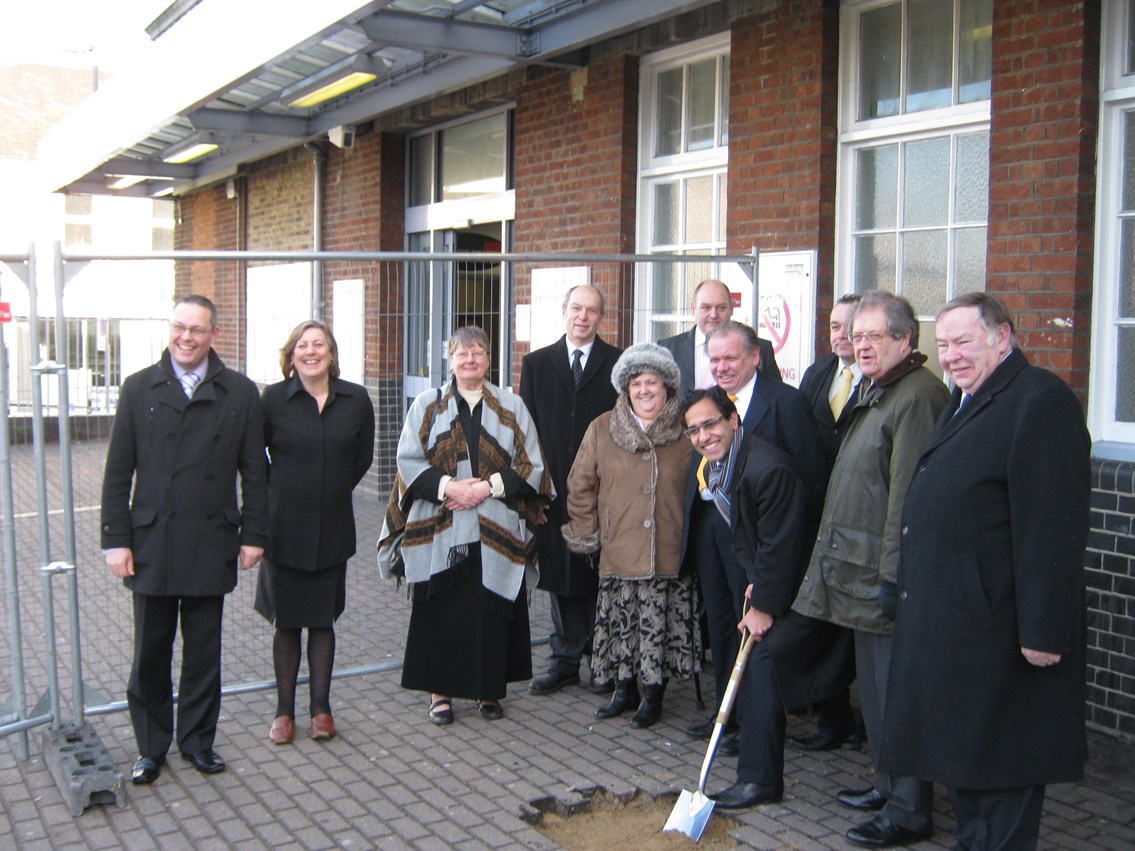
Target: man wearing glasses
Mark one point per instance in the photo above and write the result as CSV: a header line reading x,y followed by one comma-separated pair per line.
x,y
850,579
759,493
184,429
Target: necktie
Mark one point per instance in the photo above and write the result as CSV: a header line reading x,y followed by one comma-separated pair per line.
x,y
843,393
189,383
720,497
701,465
577,365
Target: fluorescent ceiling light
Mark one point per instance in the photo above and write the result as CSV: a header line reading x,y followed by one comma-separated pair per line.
x,y
334,89
191,153
128,181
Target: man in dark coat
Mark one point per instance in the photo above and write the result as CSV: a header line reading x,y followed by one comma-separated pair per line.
x,y
987,680
830,384
185,428
712,305
764,510
562,405
778,414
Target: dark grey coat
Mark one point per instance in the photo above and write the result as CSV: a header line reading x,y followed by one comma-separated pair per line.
x,y
994,530
316,461
562,412
182,458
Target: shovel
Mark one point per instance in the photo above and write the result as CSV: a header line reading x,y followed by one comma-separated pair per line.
x,y
692,810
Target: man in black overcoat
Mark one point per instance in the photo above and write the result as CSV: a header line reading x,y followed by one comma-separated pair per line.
x,y
760,494
986,692
830,384
184,430
712,305
565,386
778,414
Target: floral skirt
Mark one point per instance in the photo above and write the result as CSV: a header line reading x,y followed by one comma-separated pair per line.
x,y
646,629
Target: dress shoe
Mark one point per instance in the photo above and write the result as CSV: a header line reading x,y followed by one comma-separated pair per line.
x,y
704,729
490,710
552,682
322,727
868,800
147,769
741,795
283,731
818,742
729,745
650,710
625,697
441,712
205,761
881,832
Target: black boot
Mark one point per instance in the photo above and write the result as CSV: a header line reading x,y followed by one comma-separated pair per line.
x,y
651,709
624,698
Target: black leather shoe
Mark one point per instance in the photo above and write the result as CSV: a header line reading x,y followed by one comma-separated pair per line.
x,y
868,800
206,761
147,769
741,795
729,746
599,686
552,682
704,729
881,832
624,698
816,742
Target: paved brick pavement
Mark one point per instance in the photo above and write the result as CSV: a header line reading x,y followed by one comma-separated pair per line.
x,y
391,779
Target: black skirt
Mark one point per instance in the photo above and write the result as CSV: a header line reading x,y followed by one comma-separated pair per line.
x,y
465,642
295,599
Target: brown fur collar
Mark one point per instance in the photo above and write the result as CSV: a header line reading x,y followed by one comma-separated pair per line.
x,y
628,434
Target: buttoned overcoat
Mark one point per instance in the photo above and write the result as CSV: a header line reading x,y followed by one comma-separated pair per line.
x,y
994,529
181,457
562,412
316,460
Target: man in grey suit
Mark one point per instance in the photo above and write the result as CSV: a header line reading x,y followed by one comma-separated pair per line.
x,y
712,305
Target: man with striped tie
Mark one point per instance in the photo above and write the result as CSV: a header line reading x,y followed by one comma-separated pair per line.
x,y
759,493
185,428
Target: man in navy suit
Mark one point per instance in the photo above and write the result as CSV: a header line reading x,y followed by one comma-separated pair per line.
x,y
778,414
565,386
712,305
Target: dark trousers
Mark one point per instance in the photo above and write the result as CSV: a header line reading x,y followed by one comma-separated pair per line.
x,y
149,693
761,759
835,720
908,799
997,819
573,624
723,582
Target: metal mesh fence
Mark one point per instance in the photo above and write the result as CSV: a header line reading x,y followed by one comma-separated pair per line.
x,y
392,315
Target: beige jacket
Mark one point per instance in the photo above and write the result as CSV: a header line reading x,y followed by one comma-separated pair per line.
x,y
626,491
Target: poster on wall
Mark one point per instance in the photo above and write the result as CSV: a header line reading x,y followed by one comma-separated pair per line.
x,y
545,314
786,314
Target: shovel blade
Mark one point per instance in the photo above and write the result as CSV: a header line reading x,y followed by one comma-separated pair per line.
x,y
690,814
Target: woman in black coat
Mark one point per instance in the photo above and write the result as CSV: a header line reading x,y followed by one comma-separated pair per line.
x,y
319,432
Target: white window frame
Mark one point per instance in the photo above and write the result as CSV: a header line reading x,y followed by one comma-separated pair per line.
x,y
951,121
712,161
1117,98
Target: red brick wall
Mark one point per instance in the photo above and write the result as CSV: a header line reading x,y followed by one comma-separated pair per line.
x,y
782,136
1042,176
208,220
33,98
363,210
575,175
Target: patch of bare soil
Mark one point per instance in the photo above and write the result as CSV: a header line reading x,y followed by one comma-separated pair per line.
x,y
609,823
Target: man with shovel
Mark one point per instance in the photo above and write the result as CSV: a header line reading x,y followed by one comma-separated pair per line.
x,y
761,494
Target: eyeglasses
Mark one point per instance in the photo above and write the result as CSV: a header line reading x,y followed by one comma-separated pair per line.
x,y
693,430
177,329
872,337
478,354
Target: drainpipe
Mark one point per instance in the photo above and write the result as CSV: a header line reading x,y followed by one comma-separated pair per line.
x,y
319,158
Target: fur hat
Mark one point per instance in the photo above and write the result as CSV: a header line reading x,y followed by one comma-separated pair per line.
x,y
645,357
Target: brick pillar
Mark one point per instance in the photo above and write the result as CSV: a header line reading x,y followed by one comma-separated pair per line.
x,y
1042,187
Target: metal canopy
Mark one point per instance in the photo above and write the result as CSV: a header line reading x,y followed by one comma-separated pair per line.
x,y
222,85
